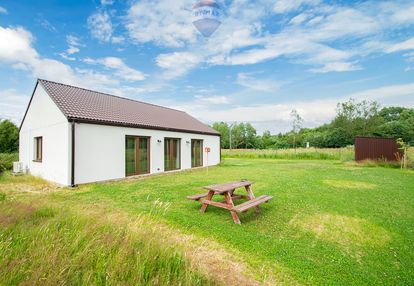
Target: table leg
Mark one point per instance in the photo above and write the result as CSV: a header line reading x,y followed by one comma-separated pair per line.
x,y
204,206
251,196
229,202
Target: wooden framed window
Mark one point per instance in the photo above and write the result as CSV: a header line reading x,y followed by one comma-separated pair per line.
x,y
172,154
137,155
196,153
38,149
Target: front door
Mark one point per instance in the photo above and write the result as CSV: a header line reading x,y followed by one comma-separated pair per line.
x,y
137,160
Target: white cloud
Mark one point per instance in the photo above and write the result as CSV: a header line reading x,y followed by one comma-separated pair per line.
x,y
241,41
100,26
266,85
65,56
107,2
299,19
386,93
299,50
72,50
3,10
405,14
329,37
285,6
15,45
402,46
12,104
117,39
337,67
16,49
340,22
46,24
213,99
409,57
167,23
122,70
74,44
178,63
73,41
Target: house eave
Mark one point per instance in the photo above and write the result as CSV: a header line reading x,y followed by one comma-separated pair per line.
x,y
129,125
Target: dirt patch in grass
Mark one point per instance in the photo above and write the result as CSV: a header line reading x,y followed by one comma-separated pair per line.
x,y
350,233
25,184
355,185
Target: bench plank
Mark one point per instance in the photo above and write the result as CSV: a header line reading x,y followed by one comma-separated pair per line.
x,y
252,203
197,197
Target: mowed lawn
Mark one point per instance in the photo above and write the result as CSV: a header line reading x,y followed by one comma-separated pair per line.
x,y
329,223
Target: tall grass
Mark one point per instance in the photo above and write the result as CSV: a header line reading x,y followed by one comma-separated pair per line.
x,y
46,245
411,153
342,154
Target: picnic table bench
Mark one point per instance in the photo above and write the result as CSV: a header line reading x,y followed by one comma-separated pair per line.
x,y
227,190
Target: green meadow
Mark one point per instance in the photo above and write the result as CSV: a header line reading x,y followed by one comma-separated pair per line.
x,y
330,223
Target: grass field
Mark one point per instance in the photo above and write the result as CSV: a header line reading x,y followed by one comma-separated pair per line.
x,y
342,154
329,223
339,154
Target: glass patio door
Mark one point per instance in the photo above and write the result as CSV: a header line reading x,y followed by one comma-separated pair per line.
x,y
137,160
196,153
172,154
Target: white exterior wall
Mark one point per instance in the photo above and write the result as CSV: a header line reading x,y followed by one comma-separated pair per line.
x,y
100,150
44,119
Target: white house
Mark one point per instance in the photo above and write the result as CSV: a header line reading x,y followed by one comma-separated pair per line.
x,y
70,135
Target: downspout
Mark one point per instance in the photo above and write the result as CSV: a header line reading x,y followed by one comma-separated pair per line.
x,y
72,177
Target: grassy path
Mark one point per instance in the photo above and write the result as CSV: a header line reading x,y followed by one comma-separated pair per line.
x,y
330,223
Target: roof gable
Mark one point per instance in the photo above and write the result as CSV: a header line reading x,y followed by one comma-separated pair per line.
x,y
85,105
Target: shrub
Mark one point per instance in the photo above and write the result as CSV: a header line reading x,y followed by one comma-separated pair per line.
x,y
385,164
2,197
6,161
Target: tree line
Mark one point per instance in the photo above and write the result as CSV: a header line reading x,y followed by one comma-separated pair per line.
x,y
365,118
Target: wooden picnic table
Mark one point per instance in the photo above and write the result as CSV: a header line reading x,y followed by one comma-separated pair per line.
x,y
227,190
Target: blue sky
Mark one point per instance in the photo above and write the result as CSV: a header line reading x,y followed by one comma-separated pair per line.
x,y
266,58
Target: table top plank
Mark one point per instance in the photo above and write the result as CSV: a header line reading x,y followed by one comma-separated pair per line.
x,y
228,186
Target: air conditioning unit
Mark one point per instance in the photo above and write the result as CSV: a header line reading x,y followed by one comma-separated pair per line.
x,y
17,167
